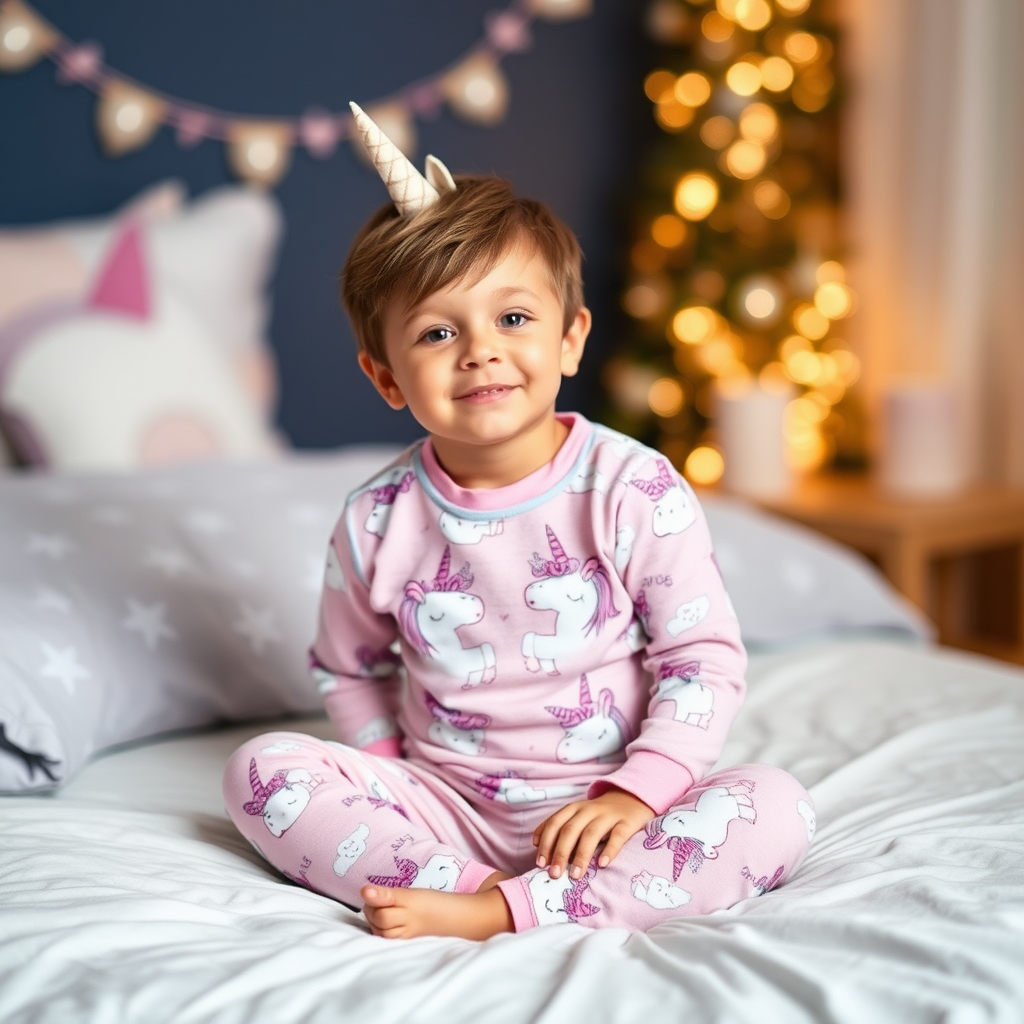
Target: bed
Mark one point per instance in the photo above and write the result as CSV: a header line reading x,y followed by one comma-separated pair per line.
x,y
151,621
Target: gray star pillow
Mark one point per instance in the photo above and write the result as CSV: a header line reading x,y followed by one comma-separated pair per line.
x,y
132,605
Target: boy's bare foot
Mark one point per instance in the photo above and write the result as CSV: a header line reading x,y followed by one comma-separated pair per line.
x,y
395,913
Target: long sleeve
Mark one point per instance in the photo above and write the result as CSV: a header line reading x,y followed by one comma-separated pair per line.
x,y
693,653
352,658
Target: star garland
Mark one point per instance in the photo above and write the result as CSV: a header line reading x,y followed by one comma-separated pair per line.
x,y
129,113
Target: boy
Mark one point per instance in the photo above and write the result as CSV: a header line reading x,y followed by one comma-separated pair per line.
x,y
568,664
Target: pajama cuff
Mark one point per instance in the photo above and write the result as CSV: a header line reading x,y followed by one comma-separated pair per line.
x,y
520,904
657,780
390,746
473,875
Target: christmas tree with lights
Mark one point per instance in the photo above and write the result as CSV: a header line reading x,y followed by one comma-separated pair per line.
x,y
734,276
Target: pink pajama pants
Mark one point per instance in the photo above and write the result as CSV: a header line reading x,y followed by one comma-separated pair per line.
x,y
333,819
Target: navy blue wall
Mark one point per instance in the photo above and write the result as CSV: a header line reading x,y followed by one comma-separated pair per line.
x,y
576,120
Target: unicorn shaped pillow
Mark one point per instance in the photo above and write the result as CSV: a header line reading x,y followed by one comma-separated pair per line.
x,y
127,377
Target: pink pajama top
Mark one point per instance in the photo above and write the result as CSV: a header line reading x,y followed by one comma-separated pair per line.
x,y
543,640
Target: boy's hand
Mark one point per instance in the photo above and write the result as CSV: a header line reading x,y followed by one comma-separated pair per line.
x,y
582,825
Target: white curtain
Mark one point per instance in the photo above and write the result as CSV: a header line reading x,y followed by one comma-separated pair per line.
x,y
934,164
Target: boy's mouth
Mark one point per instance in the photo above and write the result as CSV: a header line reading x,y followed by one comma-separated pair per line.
x,y
486,391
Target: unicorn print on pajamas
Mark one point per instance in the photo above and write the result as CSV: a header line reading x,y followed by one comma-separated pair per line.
x,y
351,848
281,801
673,510
579,594
462,733
695,835
431,615
396,481
381,662
658,892
562,899
594,731
681,685
441,872
512,788
468,531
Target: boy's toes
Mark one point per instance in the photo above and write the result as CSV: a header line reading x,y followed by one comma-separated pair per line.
x,y
377,896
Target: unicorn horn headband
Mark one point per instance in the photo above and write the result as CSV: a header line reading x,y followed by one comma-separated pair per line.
x,y
410,190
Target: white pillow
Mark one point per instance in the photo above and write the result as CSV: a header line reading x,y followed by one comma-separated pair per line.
x,y
787,582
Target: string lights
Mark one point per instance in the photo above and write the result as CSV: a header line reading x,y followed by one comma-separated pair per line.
x,y
259,149
734,276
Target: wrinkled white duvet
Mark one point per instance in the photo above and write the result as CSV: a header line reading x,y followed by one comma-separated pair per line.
x,y
128,897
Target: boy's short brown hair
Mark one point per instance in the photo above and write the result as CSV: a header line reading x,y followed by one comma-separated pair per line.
x,y
466,232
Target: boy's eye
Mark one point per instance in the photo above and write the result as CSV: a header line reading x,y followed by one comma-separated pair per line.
x,y
513,319
438,334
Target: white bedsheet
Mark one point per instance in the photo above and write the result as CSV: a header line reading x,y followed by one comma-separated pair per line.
x,y
128,897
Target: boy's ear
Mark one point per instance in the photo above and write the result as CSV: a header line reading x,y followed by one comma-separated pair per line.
x,y
574,341
383,380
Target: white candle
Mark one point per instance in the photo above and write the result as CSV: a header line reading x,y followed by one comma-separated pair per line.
x,y
749,421
921,451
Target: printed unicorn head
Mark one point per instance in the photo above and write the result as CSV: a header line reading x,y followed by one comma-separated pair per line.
x,y
441,872
658,486
280,801
385,491
545,594
417,595
669,670
593,730
560,564
456,730
695,834
557,900
262,793
409,189
491,786
673,510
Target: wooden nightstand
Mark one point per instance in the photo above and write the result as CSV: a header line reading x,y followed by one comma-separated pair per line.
x,y
958,558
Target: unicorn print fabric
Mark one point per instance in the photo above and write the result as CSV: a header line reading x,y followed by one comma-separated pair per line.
x,y
486,656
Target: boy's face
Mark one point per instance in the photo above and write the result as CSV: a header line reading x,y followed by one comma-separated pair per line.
x,y
479,363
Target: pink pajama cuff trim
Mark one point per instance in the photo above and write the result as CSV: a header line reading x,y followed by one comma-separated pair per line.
x,y
520,905
657,780
390,746
473,874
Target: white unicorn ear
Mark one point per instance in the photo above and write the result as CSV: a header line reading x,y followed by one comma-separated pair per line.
x,y
438,175
408,188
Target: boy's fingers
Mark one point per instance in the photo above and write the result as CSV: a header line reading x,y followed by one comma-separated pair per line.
x,y
546,843
590,838
611,848
564,844
547,833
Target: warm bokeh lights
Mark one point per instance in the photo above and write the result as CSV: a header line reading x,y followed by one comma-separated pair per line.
x,y
704,466
696,195
737,275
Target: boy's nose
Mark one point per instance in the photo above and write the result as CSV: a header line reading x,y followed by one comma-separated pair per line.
x,y
479,348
